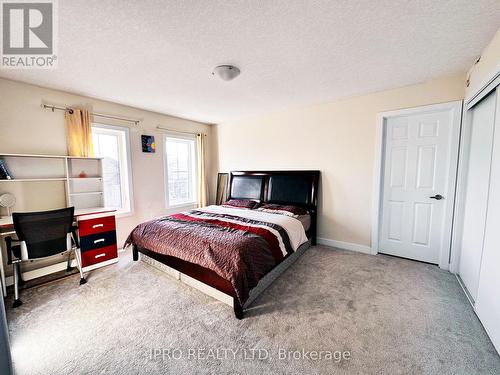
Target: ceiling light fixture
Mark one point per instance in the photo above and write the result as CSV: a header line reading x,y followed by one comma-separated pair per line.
x,y
226,72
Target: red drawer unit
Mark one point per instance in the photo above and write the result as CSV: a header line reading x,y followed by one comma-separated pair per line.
x,y
91,257
96,225
97,234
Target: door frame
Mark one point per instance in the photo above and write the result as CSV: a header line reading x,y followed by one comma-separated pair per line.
x,y
378,175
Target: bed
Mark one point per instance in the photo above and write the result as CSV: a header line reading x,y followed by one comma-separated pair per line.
x,y
235,250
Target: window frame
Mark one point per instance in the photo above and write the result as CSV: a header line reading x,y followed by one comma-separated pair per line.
x,y
126,156
192,138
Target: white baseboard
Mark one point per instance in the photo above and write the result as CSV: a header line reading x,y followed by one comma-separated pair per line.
x,y
345,245
39,272
466,292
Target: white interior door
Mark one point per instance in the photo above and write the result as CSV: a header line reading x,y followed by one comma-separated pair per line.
x,y
478,130
420,153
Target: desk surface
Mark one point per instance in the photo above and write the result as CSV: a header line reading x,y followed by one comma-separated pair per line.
x,y
6,221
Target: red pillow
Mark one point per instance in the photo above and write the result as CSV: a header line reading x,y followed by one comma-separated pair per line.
x,y
288,210
240,203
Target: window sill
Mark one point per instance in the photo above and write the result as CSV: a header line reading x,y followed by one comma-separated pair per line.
x,y
181,206
188,204
123,214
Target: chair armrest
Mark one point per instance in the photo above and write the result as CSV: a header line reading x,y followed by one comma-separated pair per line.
x,y
8,242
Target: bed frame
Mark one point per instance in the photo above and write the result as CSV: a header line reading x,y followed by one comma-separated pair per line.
x,y
299,188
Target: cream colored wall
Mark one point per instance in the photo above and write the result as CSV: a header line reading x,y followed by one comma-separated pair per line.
x,y
487,67
337,138
26,128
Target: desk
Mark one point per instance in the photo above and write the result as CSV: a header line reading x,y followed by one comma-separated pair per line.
x,y
87,215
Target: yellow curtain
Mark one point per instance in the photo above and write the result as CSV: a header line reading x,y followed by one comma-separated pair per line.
x,y
202,179
79,132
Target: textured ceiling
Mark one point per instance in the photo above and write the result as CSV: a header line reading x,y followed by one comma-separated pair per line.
x,y
159,55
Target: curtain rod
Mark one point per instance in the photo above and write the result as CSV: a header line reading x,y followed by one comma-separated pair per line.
x,y
178,131
70,110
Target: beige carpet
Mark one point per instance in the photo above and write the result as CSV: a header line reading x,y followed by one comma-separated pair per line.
x,y
391,316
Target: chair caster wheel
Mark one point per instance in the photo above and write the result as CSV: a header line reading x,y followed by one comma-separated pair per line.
x,y
83,281
17,303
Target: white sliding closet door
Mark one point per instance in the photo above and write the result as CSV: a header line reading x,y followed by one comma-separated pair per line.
x,y
479,130
488,298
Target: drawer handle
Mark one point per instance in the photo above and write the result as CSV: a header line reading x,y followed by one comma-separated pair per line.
x,y
100,255
97,226
99,240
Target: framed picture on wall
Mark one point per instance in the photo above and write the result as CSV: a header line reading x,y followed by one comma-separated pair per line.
x,y
148,143
222,187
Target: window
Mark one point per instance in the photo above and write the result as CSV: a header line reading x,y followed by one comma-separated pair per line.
x,y
180,170
112,144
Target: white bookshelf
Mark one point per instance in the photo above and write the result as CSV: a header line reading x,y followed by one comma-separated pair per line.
x,y
28,169
85,192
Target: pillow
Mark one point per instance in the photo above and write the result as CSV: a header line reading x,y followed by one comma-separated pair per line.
x,y
288,210
240,203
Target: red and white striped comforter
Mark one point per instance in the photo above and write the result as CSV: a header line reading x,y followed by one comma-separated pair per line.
x,y
240,245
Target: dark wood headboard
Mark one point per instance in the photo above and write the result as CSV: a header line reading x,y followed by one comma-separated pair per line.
x,y
299,188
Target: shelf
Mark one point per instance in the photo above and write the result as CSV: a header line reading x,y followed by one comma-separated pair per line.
x,y
93,210
60,173
86,193
35,179
85,178
83,157
46,156
50,179
33,156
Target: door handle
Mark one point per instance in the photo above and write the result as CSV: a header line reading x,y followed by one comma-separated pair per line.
x,y
437,197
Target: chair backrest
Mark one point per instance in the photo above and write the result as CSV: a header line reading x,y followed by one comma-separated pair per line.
x,y
44,233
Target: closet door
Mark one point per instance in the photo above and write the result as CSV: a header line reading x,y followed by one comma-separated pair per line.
x,y
478,130
488,298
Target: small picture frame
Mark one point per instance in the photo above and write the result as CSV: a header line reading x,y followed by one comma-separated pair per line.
x,y
222,188
148,143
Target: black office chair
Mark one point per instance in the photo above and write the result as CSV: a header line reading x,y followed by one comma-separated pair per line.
x,y
40,235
